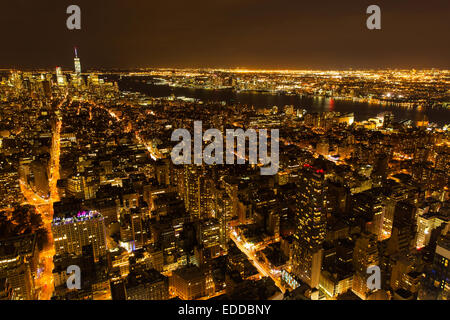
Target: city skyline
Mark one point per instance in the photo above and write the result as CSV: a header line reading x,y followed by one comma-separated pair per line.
x,y
311,171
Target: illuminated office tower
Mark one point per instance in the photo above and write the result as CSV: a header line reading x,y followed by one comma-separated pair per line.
x,y
224,213
138,229
197,192
209,236
365,254
75,186
389,205
208,233
403,228
192,190
426,224
132,230
310,225
77,63
60,77
72,232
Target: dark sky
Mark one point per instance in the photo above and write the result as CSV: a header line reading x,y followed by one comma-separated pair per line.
x,y
226,33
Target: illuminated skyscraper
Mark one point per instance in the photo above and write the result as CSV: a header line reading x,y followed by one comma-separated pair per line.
x,y
60,77
77,63
365,255
403,229
311,225
72,232
131,229
197,191
224,213
209,236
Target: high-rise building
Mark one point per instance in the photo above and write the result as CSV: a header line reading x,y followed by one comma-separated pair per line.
x,y
310,225
9,185
208,234
19,258
441,268
367,208
197,196
39,169
365,255
403,228
164,172
47,88
132,229
401,265
426,223
77,63
223,211
60,77
74,231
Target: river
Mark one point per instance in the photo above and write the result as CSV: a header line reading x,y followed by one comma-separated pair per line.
x,y
362,110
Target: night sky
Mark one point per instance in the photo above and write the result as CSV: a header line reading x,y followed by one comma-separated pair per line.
x,y
292,34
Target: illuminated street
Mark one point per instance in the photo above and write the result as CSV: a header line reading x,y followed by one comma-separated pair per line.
x,y
222,151
263,269
44,207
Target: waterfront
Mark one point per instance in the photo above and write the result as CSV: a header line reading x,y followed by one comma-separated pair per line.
x,y
362,110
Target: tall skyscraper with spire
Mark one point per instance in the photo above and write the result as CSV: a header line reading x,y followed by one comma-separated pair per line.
x,y
77,63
